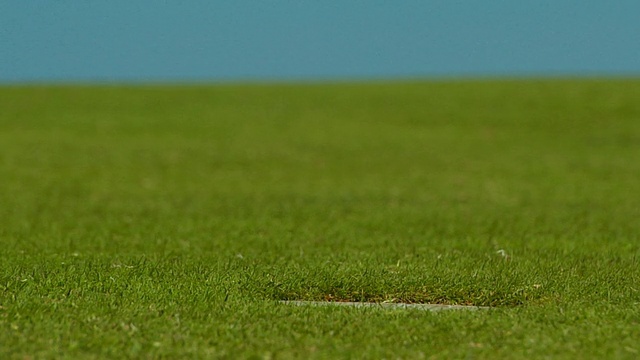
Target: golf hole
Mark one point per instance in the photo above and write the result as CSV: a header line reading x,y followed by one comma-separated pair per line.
x,y
424,307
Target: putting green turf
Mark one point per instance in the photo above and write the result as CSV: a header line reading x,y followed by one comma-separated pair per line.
x,y
167,221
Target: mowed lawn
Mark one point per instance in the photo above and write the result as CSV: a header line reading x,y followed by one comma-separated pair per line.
x,y
167,221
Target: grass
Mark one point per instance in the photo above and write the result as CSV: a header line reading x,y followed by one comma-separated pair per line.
x,y
166,221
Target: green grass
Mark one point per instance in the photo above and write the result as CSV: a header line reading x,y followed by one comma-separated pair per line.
x,y
167,221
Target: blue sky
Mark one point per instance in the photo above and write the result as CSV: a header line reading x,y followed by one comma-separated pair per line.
x,y
144,40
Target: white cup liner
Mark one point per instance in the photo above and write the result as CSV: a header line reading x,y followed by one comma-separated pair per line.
x,y
424,307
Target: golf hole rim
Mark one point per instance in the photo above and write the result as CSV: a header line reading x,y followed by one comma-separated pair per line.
x,y
383,305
